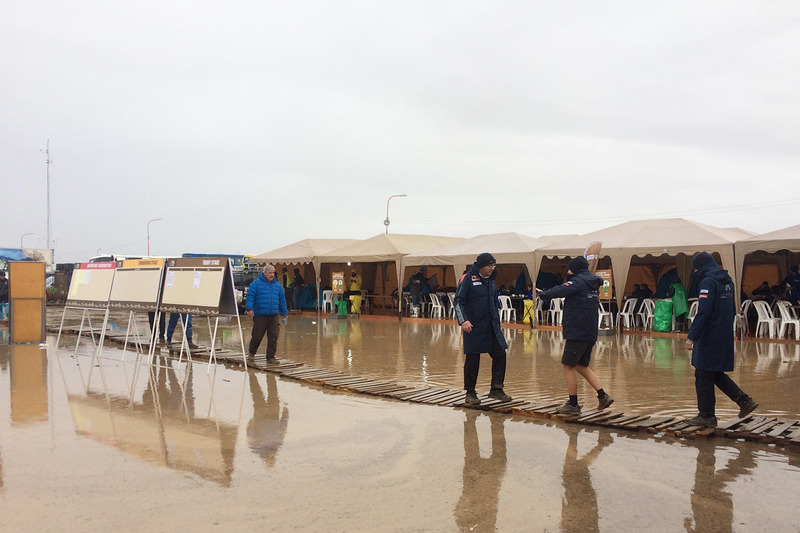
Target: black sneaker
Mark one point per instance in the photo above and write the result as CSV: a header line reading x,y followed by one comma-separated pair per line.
x,y
192,346
472,398
604,401
747,407
700,420
273,360
569,409
500,395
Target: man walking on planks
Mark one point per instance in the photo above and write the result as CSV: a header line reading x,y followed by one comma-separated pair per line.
x,y
581,304
477,312
711,341
266,302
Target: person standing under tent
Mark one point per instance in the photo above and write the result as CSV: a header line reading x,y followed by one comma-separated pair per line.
x,y
266,301
3,295
354,292
478,315
416,285
579,323
297,285
711,342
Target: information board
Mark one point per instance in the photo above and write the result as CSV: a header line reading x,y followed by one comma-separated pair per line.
x,y
337,285
91,285
605,288
199,286
137,283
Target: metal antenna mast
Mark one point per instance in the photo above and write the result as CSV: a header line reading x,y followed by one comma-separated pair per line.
x,y
48,161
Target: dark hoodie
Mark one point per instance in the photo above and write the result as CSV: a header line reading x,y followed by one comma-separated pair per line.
x,y
581,304
712,328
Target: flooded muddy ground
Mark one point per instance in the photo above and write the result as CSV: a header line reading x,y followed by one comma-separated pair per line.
x,y
112,443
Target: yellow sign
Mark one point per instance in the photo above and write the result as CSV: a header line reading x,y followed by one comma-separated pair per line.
x,y
338,282
605,288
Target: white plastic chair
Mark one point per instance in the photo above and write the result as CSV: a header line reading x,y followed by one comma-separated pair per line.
x,y
541,314
645,314
556,311
692,313
744,324
436,307
788,318
604,315
452,297
506,309
625,317
327,302
765,319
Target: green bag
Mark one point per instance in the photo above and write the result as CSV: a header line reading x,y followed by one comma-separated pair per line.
x,y
662,315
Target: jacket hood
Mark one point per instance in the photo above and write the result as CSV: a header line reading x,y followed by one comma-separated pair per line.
x,y
713,271
475,271
586,277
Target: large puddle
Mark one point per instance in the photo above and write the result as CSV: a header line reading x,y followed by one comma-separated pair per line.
x,y
110,443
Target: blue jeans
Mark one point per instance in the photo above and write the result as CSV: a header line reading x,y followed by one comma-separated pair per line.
x,y
173,322
4,310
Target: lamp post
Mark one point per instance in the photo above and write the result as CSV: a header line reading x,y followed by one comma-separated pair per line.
x,y
386,222
148,233
23,236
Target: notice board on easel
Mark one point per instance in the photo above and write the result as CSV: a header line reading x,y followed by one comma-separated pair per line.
x,y
91,285
199,286
137,284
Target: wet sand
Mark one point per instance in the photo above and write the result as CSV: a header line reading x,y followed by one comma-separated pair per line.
x,y
113,444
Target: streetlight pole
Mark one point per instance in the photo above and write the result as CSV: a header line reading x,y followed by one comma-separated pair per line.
x,y
23,236
386,222
148,233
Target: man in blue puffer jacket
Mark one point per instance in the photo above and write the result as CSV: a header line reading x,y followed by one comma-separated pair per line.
x,y
711,341
581,304
477,312
266,300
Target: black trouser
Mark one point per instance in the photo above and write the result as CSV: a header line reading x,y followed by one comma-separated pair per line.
x,y
704,382
472,364
269,325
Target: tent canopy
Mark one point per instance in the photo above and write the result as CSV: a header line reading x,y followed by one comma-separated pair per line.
x,y
507,248
301,252
774,241
669,236
385,247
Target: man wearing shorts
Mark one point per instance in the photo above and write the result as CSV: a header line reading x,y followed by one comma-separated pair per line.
x,y
580,293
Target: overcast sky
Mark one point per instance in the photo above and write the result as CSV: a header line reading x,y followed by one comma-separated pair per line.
x,y
249,125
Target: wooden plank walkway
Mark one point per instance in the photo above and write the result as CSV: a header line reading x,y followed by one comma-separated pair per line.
x,y
753,427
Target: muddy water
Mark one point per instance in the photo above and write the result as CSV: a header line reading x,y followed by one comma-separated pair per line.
x,y
98,444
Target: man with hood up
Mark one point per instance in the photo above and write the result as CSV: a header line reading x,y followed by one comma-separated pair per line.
x,y
579,328
477,312
711,341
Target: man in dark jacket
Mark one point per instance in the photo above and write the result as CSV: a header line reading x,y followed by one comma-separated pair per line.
x,y
711,341
477,312
581,304
265,302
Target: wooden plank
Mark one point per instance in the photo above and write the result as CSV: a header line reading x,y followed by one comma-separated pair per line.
x,y
507,407
436,393
757,421
785,425
418,396
654,421
602,416
729,424
630,423
758,430
447,398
